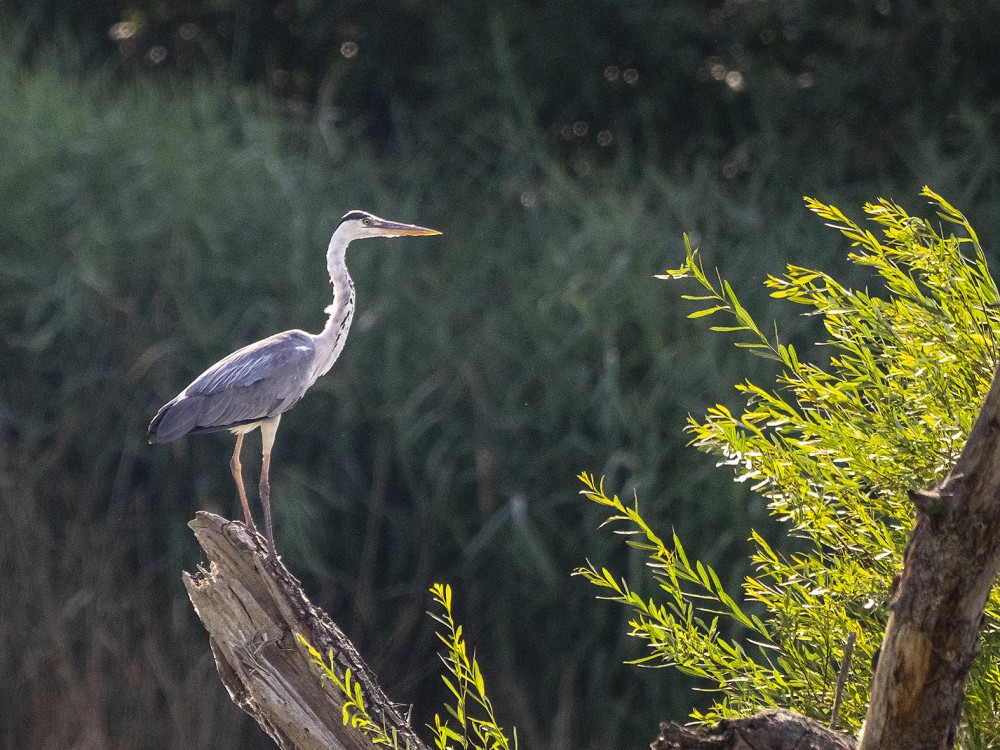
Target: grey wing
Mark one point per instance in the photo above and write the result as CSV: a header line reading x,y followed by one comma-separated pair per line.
x,y
259,381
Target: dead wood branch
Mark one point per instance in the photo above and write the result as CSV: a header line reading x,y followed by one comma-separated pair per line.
x,y
252,609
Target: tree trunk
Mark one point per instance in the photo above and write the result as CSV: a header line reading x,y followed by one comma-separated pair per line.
x,y
253,609
937,607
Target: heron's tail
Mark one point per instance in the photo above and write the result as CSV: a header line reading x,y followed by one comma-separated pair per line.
x,y
174,420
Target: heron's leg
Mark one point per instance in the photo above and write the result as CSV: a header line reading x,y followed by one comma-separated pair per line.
x,y
237,468
268,430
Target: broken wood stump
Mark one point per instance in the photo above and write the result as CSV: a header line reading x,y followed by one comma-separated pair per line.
x,y
253,609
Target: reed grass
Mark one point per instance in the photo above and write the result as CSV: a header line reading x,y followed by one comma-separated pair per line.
x,y
149,227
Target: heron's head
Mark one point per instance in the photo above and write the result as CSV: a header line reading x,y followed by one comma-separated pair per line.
x,y
358,224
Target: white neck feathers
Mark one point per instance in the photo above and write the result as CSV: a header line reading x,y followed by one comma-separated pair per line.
x,y
331,341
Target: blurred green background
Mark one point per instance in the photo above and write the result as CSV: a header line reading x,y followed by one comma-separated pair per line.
x,y
169,177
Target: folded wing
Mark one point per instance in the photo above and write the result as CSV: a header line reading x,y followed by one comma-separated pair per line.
x,y
259,381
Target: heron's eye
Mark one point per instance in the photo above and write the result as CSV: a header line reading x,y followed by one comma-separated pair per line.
x,y
366,222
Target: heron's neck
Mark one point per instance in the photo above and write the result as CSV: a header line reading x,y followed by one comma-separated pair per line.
x,y
331,340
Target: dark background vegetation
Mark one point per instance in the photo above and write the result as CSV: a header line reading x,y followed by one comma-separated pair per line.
x,y
169,176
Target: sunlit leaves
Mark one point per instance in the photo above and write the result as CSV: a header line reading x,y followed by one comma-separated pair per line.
x,y
354,710
834,448
475,725
681,633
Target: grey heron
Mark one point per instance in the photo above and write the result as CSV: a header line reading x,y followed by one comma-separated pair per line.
x,y
255,385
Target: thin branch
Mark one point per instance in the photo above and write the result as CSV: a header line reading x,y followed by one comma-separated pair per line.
x,y
845,668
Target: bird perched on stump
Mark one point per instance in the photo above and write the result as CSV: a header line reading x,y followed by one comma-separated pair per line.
x,y
254,386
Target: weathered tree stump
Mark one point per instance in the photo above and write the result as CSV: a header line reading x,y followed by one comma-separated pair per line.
x,y
776,729
253,609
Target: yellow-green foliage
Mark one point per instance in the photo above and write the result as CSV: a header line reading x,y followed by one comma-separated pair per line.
x,y
475,726
355,712
834,449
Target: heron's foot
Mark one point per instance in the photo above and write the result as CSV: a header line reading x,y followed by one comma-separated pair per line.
x,y
251,527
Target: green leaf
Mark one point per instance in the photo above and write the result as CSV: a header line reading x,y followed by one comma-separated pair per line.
x,y
706,311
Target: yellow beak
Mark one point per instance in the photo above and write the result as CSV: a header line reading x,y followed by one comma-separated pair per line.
x,y
396,229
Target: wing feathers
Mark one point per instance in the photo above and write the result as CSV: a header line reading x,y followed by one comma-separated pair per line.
x,y
254,383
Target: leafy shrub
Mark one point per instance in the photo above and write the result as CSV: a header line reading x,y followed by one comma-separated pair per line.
x,y
834,450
